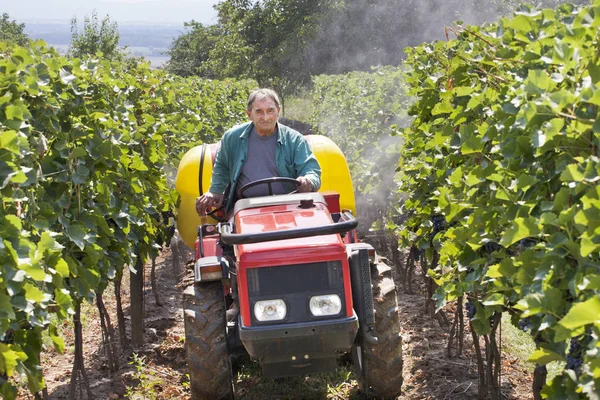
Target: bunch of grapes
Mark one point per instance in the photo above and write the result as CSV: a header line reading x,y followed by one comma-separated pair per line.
x,y
439,223
525,324
575,356
169,230
526,243
490,247
470,307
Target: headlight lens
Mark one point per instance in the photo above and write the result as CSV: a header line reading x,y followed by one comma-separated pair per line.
x,y
328,304
270,310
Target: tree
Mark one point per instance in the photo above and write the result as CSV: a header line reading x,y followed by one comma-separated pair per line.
x,y
262,40
11,31
103,37
190,51
282,43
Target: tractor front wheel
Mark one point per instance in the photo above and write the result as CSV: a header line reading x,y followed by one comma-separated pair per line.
x,y
379,366
206,342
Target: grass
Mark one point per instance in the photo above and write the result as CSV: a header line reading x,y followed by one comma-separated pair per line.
x,y
520,345
146,379
336,385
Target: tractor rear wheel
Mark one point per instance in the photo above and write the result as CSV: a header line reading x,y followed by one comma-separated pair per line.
x,y
206,342
379,367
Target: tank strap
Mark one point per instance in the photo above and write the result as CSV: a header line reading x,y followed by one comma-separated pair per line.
x,y
201,169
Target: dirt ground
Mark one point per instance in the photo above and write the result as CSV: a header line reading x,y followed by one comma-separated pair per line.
x,y
160,370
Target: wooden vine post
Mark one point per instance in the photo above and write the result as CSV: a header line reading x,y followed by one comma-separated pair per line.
x,y
136,285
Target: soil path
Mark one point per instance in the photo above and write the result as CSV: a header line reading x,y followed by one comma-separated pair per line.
x,y
158,371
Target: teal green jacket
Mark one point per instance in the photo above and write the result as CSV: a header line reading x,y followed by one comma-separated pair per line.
x,y
293,157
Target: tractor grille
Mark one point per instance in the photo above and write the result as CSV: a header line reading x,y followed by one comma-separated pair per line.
x,y
295,284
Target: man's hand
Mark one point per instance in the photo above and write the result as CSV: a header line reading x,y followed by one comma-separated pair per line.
x,y
305,185
206,201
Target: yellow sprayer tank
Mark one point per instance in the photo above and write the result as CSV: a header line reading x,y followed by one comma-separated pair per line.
x,y
195,172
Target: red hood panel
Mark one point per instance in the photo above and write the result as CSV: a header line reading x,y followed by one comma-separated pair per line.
x,y
276,218
281,217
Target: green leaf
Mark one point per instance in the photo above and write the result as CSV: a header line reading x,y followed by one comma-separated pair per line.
x,y
504,269
530,304
81,176
591,199
10,356
522,228
472,180
47,243
591,96
63,300
59,343
553,127
463,90
589,218
443,107
494,299
6,308
561,99
138,164
538,138
544,356
14,222
582,314
33,293
519,23
538,81
62,268
34,270
525,181
14,112
572,173
590,242
9,140
472,145
78,152
76,232
66,76
456,176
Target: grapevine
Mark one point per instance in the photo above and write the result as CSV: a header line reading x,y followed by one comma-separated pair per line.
x,y
504,145
86,148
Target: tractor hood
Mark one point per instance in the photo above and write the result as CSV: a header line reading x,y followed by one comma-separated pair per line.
x,y
280,213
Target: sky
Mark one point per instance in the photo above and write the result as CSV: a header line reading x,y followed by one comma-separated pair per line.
x,y
121,11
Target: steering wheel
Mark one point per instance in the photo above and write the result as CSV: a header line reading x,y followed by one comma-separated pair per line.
x,y
270,181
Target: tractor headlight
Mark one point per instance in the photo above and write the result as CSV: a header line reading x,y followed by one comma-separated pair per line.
x,y
270,310
328,304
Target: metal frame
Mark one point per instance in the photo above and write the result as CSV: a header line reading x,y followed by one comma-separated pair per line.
x,y
247,238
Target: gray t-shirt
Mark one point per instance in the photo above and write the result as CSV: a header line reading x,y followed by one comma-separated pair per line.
x,y
260,164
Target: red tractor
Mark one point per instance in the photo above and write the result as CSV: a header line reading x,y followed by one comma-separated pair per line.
x,y
284,279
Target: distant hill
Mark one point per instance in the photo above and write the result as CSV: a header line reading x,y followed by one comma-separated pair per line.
x,y
148,40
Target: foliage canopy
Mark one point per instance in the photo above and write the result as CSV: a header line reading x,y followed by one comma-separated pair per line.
x,y
85,150
503,146
11,31
282,43
96,37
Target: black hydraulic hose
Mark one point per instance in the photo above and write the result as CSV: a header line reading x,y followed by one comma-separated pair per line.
x,y
201,169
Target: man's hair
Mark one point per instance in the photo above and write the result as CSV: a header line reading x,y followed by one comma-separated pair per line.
x,y
261,94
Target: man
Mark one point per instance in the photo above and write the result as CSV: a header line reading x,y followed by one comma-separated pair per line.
x,y
261,148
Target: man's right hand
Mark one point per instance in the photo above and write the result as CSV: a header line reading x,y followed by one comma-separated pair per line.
x,y
206,201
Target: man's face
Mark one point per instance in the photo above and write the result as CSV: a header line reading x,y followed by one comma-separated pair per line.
x,y
264,113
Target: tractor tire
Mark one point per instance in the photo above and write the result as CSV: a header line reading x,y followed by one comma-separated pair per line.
x,y
208,358
379,367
